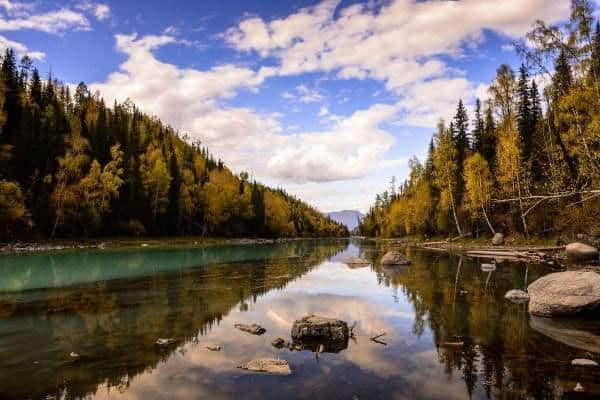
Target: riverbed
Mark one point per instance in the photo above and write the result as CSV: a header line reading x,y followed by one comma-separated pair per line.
x,y
83,324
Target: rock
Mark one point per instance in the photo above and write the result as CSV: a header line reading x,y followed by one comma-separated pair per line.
x,y
320,329
584,362
357,262
581,252
73,355
498,239
253,329
164,341
394,258
214,347
486,267
281,343
517,296
268,365
568,293
578,387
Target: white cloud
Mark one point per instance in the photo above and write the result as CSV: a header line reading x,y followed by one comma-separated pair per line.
x,y
20,49
50,22
323,111
11,7
100,10
191,100
399,43
304,94
508,47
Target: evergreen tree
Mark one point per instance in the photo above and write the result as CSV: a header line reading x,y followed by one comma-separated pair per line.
x,y
478,133
462,144
524,112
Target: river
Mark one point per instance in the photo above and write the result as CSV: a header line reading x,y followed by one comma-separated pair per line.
x,y
449,332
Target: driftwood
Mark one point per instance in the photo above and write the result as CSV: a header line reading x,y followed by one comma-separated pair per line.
x,y
376,339
528,254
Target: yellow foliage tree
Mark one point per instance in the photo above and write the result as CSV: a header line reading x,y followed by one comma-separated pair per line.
x,y
479,186
277,215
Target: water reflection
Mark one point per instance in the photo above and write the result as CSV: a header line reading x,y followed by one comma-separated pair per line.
x,y
449,332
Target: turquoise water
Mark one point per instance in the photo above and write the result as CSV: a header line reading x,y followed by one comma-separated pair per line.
x,y
449,332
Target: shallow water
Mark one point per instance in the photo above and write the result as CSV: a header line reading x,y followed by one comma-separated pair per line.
x,y
449,332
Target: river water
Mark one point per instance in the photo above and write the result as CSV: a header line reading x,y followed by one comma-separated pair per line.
x,y
449,332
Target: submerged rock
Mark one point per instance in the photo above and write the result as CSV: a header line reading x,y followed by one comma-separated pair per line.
x,y
214,347
279,343
498,239
584,362
394,258
268,365
323,329
568,293
357,262
253,329
581,252
164,341
517,296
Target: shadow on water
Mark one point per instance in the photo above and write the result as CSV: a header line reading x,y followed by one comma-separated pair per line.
x,y
449,332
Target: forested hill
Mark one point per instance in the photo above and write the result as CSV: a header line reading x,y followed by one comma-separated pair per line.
x,y
526,163
71,166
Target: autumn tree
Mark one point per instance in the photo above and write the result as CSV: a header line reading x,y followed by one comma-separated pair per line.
x,y
479,186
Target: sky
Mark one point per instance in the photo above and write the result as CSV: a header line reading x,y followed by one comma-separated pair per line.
x,y
328,99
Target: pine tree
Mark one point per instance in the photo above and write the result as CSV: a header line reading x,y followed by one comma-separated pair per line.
x,y
462,143
563,76
524,113
478,128
173,212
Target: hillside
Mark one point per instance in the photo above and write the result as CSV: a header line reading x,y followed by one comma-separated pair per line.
x,y
71,166
349,218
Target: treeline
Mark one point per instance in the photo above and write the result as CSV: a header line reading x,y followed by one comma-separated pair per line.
x,y
528,163
71,166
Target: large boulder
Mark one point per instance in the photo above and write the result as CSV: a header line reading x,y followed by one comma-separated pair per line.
x,y
394,258
320,329
498,239
566,293
581,252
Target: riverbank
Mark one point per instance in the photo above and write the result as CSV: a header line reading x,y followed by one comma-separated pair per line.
x,y
545,251
126,242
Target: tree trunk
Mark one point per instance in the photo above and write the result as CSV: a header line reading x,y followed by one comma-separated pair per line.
x,y
454,211
521,208
487,220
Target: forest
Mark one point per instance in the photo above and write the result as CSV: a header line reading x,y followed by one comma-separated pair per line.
x,y
70,166
526,163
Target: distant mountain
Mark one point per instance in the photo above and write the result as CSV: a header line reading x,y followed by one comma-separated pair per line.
x,y
350,218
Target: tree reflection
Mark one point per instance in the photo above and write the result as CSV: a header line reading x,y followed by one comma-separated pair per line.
x,y
480,335
113,324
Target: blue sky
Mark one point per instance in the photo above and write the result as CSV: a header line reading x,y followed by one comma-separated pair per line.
x,y
327,99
